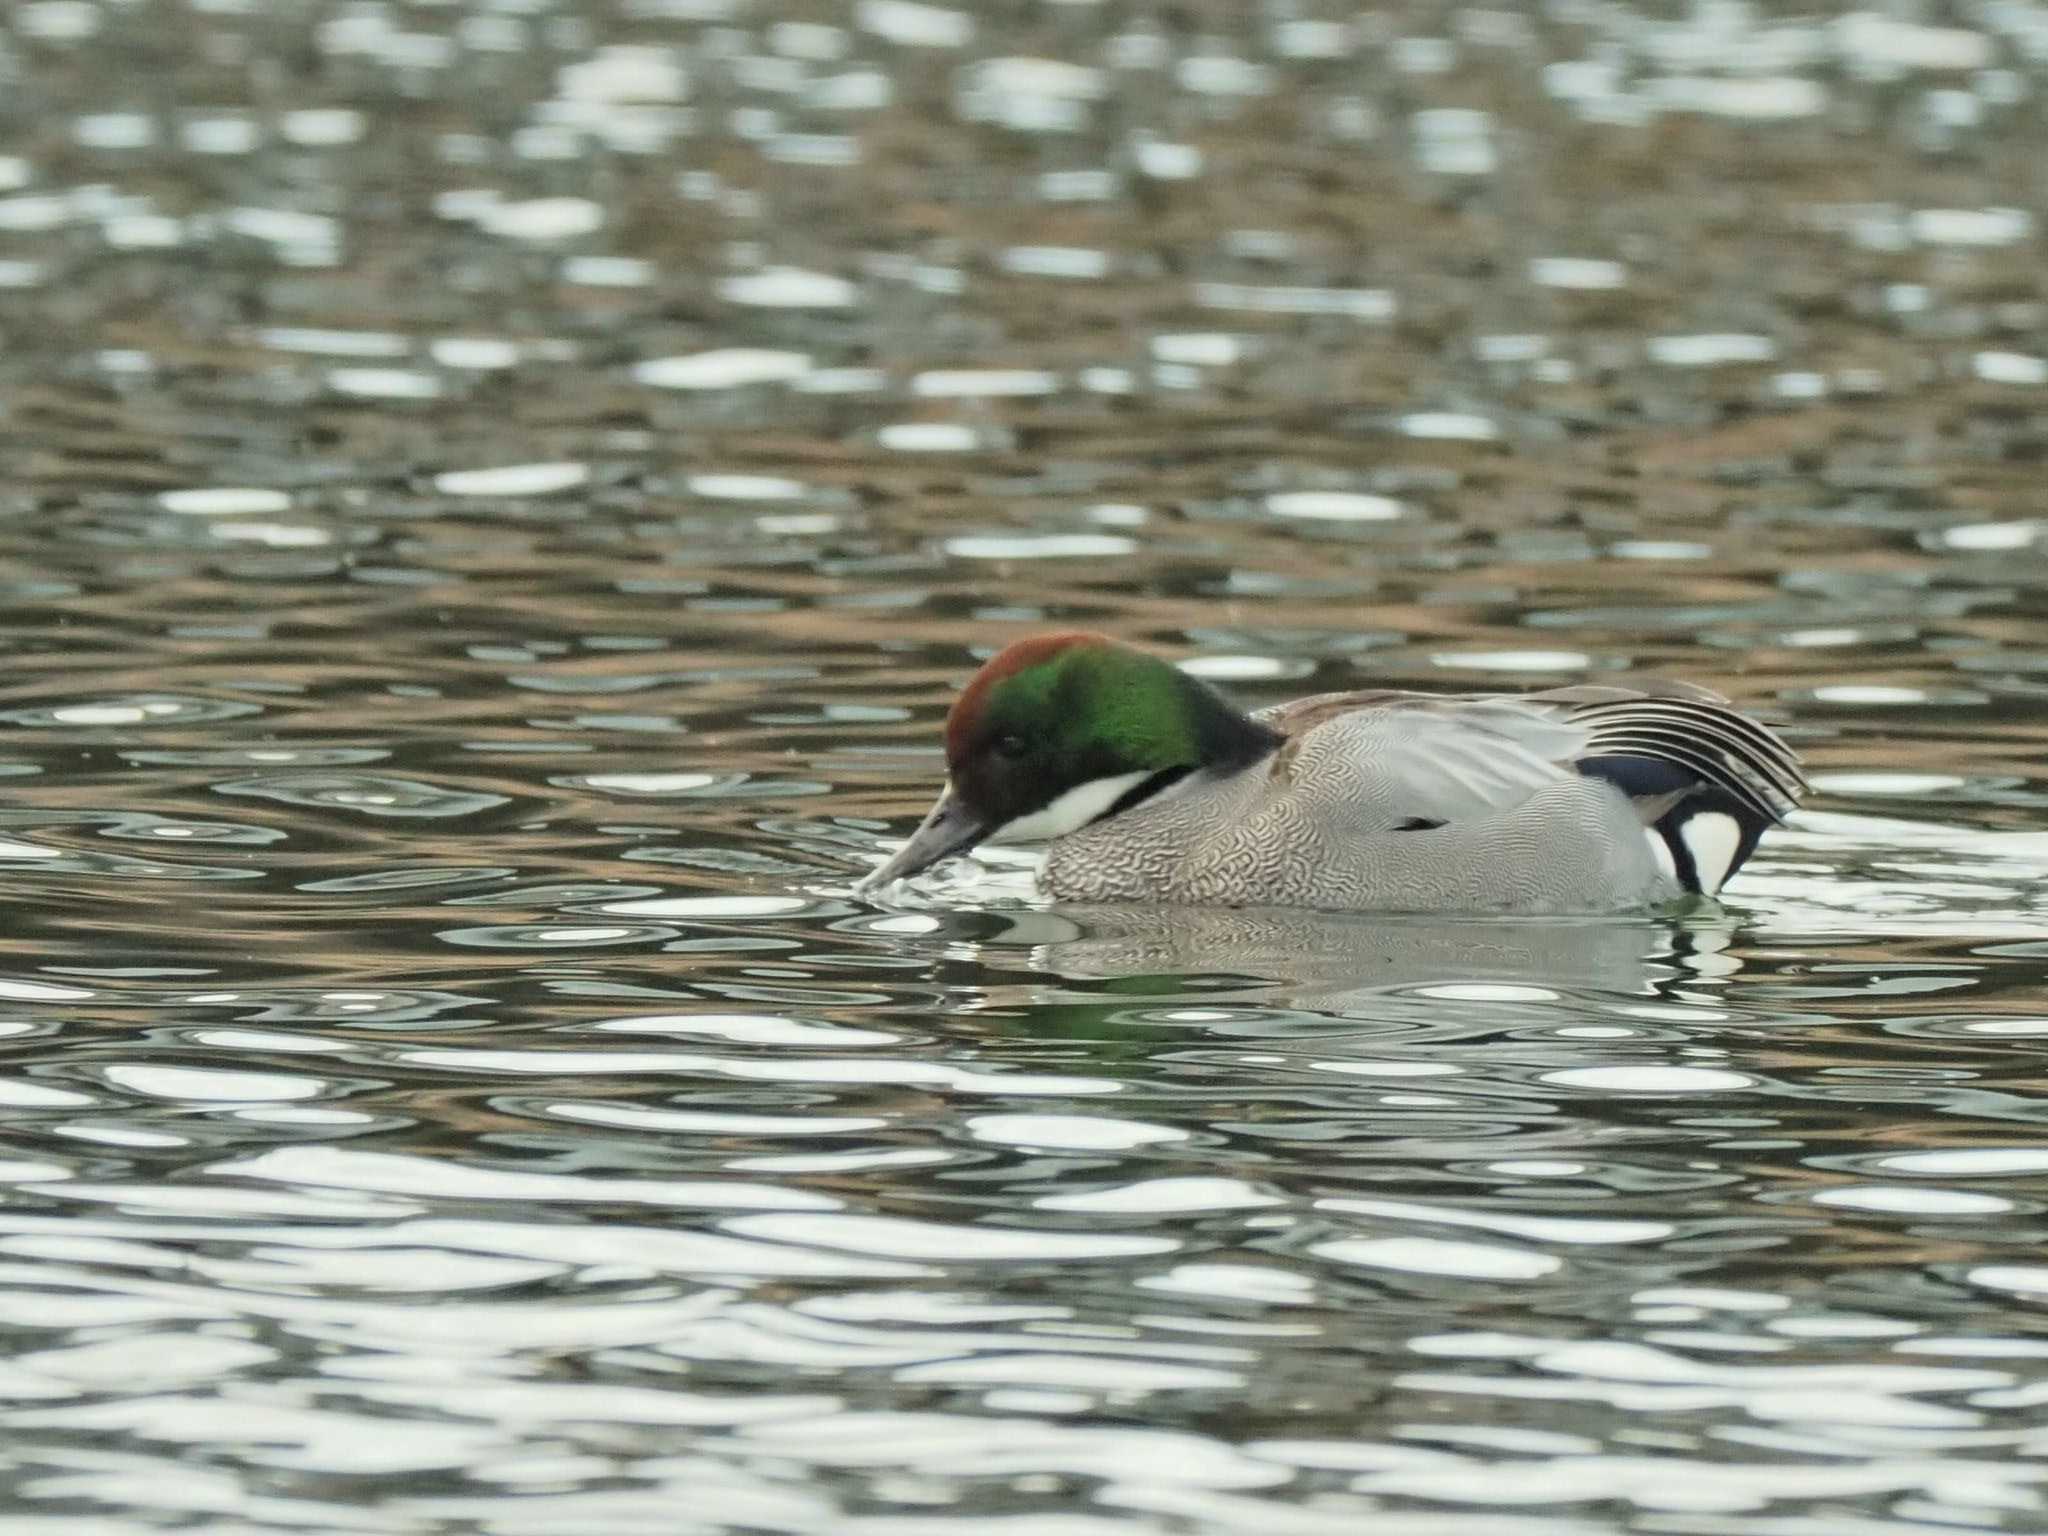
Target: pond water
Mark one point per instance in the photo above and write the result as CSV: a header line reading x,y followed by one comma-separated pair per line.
x,y
496,499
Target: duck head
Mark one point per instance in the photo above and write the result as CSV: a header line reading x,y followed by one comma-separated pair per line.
x,y
1062,730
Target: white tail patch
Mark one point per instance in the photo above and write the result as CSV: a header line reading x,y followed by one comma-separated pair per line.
x,y
1070,812
1712,838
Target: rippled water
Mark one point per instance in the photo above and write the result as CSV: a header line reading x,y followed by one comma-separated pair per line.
x,y
496,498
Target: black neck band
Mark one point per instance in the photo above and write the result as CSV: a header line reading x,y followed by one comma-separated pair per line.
x,y
1145,789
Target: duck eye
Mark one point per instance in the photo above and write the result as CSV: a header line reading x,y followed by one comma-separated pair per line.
x,y
1008,745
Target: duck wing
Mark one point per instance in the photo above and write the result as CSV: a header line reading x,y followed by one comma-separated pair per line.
x,y
1705,777
1428,759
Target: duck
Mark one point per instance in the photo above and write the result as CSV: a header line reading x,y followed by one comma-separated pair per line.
x,y
1149,785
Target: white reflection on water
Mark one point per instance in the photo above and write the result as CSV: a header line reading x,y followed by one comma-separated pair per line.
x,y
930,437
225,501
1337,506
1157,1196
789,288
513,480
1689,1080
1071,1132
723,368
751,1029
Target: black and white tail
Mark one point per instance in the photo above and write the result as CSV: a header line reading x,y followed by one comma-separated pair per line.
x,y
1710,781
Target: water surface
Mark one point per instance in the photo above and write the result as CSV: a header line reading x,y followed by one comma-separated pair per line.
x,y
496,499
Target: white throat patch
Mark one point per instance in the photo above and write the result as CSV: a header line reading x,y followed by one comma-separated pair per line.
x,y
1070,812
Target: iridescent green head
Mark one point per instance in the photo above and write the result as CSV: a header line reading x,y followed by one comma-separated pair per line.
x,y
1062,730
